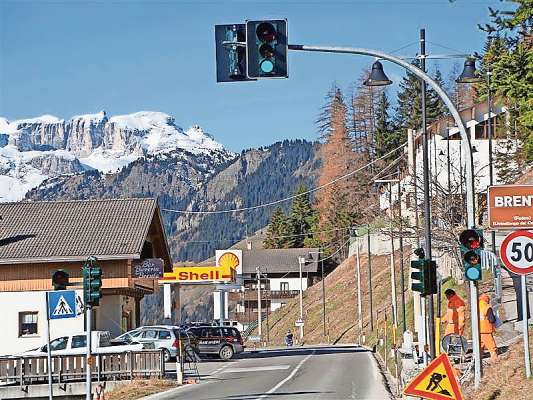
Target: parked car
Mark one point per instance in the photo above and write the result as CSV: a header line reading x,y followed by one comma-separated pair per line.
x,y
160,337
221,340
77,344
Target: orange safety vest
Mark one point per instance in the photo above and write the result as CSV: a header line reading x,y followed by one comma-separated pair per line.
x,y
485,326
455,315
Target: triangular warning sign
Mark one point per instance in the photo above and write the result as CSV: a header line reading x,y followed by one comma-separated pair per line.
x,y
436,382
62,307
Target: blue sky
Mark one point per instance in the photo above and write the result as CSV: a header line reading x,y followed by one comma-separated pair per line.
x,y
76,57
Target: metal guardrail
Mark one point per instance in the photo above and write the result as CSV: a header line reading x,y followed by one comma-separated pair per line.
x,y
24,371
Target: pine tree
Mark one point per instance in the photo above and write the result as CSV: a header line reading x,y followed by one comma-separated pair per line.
x,y
510,58
409,110
279,231
387,136
303,218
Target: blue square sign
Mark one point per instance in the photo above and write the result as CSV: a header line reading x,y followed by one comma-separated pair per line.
x,y
61,304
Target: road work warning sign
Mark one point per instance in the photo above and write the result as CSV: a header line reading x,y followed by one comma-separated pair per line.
x,y
510,207
436,382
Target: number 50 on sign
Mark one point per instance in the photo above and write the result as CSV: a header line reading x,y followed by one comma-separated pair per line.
x,y
517,252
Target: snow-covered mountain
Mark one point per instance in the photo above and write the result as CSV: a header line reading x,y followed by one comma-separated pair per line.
x,y
32,150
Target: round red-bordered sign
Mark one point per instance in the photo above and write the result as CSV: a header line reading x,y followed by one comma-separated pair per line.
x,y
516,252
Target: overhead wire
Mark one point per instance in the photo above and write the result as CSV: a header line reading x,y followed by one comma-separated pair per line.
x,y
272,203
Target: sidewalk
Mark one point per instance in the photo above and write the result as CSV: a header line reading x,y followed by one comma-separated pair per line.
x,y
507,334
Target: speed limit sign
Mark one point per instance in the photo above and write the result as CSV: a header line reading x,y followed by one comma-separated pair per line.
x,y
517,252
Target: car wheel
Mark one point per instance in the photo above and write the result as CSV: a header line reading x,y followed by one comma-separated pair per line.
x,y
166,355
226,353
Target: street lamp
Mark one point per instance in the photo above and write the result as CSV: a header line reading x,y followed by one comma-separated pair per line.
x,y
377,76
310,260
469,74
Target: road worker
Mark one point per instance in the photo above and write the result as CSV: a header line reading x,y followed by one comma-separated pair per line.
x,y
455,314
487,327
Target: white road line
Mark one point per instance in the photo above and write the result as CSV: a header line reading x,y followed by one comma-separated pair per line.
x,y
257,369
291,375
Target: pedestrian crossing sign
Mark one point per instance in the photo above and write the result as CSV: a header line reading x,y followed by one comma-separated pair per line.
x,y
61,304
436,382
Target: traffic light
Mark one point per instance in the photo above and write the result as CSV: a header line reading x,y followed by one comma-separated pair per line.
x,y
60,279
267,48
92,284
471,241
230,43
424,277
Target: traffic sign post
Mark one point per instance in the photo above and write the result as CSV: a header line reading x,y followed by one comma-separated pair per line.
x,y
516,253
60,304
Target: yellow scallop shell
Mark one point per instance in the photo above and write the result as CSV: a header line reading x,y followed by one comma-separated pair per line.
x,y
228,260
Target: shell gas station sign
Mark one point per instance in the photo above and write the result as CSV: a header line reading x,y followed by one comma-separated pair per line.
x,y
510,207
228,266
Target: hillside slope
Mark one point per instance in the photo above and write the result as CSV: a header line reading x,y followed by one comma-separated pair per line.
x,y
341,304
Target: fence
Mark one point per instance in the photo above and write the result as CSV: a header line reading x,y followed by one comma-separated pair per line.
x,y
25,371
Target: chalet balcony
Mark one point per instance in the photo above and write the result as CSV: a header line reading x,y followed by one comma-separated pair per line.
x,y
251,295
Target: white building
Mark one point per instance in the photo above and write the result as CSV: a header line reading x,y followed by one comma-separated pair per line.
x,y
39,238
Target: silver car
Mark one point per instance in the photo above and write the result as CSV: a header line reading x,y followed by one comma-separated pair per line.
x,y
159,337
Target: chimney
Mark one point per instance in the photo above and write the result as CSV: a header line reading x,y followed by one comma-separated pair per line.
x,y
249,244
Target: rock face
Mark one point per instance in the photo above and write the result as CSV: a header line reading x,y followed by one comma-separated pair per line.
x,y
35,149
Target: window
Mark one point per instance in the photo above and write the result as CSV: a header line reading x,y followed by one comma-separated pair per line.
x,y
59,343
284,286
150,334
79,341
214,332
164,335
27,323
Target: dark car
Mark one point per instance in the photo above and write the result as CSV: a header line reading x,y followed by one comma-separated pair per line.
x,y
223,341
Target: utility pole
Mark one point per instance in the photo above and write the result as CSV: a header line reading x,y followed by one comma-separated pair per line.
x,y
359,300
259,305
301,261
392,262
427,199
370,281
323,296
402,272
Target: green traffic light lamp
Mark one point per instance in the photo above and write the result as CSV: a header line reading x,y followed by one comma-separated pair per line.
x,y
377,76
469,74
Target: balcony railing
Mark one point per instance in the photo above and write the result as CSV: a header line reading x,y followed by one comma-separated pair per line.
x,y
265,295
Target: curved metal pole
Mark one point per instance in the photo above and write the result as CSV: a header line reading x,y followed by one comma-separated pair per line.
x,y
470,205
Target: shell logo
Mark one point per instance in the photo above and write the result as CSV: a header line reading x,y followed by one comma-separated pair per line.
x,y
228,260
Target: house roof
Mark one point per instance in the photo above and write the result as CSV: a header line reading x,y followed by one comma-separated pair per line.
x,y
73,230
278,261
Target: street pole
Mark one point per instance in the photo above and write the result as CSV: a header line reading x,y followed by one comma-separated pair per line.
x,y
402,272
392,269
525,327
359,305
88,317
497,270
48,349
370,281
323,297
259,305
427,199
301,260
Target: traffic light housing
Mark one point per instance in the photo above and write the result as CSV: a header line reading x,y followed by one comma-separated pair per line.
x,y
230,43
267,48
471,241
424,277
92,284
60,279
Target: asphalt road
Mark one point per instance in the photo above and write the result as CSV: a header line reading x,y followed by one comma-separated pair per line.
x,y
333,372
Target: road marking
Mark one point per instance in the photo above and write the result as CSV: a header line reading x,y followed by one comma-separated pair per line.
x,y
284,381
256,369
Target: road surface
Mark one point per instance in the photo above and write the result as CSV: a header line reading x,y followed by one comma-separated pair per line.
x,y
332,372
